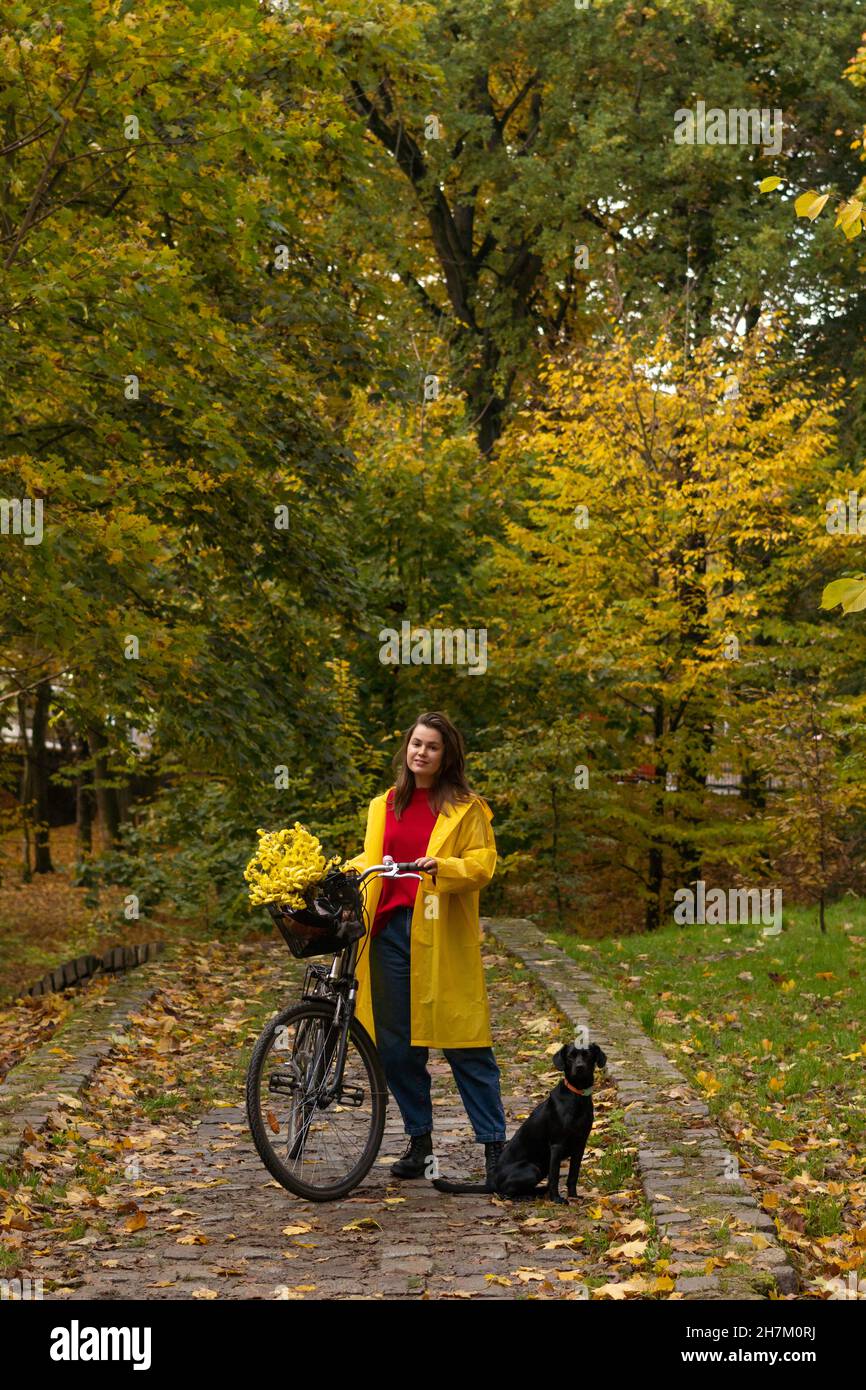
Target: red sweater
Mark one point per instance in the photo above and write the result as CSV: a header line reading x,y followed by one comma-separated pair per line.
x,y
405,840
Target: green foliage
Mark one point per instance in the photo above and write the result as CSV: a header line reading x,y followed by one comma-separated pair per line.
x,y
240,242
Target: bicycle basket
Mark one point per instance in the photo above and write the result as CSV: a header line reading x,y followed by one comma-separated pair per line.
x,y
331,920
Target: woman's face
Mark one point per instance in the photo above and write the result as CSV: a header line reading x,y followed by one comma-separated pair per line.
x,y
425,750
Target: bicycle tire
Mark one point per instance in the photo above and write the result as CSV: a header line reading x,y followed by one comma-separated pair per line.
x,y
319,1012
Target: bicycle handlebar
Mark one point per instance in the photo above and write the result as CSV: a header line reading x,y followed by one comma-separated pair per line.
x,y
390,869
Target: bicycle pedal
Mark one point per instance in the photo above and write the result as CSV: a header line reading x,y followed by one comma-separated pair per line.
x,y
283,1085
351,1095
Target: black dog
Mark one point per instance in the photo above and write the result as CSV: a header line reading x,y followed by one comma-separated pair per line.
x,y
558,1128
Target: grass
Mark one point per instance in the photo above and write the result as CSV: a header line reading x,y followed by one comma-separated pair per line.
x,y
770,1030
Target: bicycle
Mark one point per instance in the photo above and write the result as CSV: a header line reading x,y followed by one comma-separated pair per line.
x,y
315,1091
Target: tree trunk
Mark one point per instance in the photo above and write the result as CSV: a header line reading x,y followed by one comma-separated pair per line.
x,y
696,722
486,405
653,914
26,790
106,795
39,784
697,718
655,857
556,884
34,783
84,806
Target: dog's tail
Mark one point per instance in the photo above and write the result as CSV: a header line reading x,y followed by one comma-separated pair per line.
x,y
443,1185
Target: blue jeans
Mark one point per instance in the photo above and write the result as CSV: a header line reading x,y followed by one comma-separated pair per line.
x,y
475,1070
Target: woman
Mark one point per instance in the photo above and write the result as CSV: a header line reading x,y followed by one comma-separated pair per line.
x,y
421,981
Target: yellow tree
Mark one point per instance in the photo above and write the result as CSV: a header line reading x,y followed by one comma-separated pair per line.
x,y
673,510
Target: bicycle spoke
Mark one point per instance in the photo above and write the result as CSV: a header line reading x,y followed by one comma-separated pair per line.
x,y
319,1144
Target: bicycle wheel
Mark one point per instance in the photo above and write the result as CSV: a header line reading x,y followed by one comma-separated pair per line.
x,y
317,1149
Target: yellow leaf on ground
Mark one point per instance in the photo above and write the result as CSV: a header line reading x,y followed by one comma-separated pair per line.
x,y
708,1082
621,1290
633,1228
632,1249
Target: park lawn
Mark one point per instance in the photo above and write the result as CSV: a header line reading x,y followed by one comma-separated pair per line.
x,y
772,1031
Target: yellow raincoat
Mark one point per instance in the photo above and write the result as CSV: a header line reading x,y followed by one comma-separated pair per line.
x,y
448,991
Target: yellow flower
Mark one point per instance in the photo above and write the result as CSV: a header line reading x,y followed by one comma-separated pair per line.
x,y
284,865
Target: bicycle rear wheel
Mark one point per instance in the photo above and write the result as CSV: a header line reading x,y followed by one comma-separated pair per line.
x,y
316,1149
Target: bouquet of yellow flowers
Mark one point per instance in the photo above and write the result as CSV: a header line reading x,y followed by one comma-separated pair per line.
x,y
286,863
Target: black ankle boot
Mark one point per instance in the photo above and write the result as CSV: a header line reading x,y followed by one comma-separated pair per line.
x,y
414,1160
492,1154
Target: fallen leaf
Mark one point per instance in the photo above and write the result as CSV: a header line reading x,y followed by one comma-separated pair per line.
x,y
631,1250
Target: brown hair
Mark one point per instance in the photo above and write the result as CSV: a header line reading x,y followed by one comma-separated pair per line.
x,y
450,786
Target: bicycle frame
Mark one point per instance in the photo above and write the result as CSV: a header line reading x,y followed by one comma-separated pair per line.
x,y
340,984
310,1077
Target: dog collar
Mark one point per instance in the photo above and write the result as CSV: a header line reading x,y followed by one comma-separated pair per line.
x,y
587,1092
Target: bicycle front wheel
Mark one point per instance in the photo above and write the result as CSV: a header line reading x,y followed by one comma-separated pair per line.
x,y
316,1147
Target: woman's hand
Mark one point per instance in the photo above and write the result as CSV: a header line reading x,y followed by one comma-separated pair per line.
x,y
428,865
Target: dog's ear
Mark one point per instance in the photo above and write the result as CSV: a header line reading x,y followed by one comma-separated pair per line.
x,y
599,1056
559,1058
